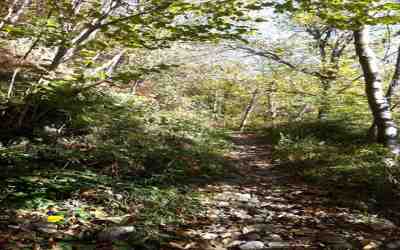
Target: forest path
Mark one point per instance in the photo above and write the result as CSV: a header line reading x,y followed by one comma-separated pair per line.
x,y
262,207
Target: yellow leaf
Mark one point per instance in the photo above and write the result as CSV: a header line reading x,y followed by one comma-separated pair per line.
x,y
54,218
100,214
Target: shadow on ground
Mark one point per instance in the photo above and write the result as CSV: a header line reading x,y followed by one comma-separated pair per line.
x,y
304,186
130,189
334,155
269,206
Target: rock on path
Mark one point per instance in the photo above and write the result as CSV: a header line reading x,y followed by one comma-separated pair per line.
x,y
264,208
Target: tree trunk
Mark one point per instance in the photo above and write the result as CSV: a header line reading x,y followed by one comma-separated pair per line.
x,y
271,105
378,102
299,116
249,108
64,53
395,83
135,85
323,109
15,11
109,67
76,6
392,91
218,104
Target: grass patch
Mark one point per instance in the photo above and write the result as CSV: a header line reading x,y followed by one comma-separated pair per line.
x,y
335,155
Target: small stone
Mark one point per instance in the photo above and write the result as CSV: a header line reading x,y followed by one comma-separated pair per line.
x,y
275,237
115,233
341,246
223,204
209,236
276,245
383,224
242,214
371,246
236,235
235,243
251,228
259,219
330,238
252,236
226,235
266,228
119,197
47,228
252,245
255,200
244,197
393,245
361,206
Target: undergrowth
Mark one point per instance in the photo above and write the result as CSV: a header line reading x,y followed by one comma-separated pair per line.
x,y
120,161
335,155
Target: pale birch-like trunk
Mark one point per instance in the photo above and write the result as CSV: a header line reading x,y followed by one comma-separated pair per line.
x,y
248,110
323,109
218,103
395,82
271,105
64,53
76,6
377,100
392,91
135,86
15,11
109,67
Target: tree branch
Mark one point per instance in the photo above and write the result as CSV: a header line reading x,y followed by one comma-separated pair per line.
x,y
275,57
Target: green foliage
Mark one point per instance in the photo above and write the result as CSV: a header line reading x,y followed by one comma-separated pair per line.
x,y
346,14
65,41
130,131
139,159
334,155
125,142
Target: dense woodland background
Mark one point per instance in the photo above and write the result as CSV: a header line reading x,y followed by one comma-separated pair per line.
x,y
112,111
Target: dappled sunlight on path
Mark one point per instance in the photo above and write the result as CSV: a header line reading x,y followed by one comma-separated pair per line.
x,y
265,208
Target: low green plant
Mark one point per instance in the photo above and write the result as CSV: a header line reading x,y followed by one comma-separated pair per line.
x,y
333,154
140,161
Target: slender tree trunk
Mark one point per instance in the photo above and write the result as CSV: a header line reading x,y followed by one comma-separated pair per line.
x,y
76,6
135,85
299,116
63,53
271,105
378,102
248,110
15,11
12,83
392,91
114,63
323,109
110,66
395,83
218,103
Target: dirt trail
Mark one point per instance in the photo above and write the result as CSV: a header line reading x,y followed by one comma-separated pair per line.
x,y
262,207
258,205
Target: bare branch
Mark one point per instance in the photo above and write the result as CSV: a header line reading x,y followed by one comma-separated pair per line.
x,y
275,57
